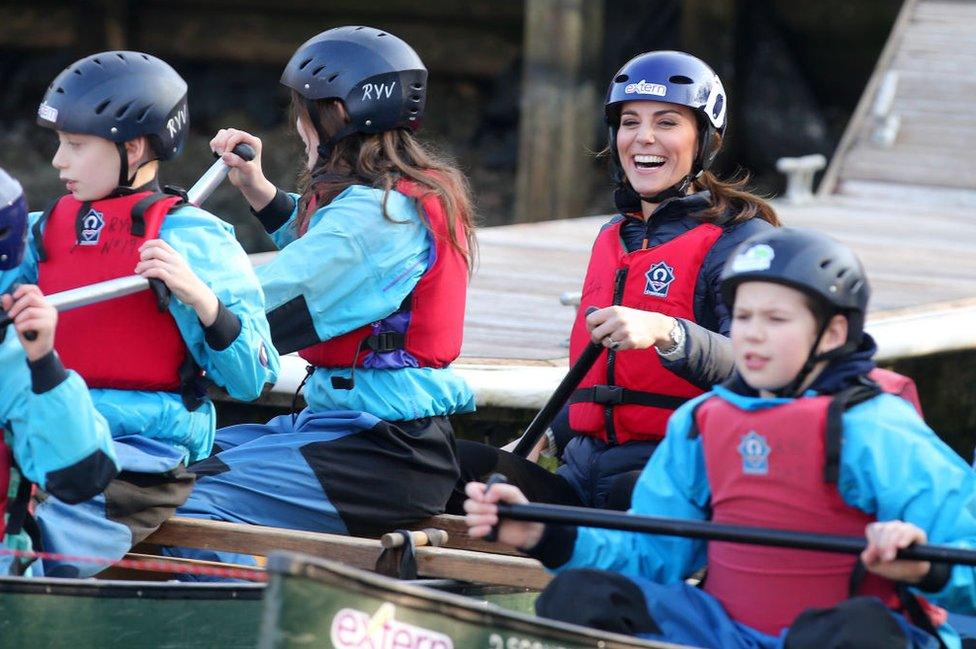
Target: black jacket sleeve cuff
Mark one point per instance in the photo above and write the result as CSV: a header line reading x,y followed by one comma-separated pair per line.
x,y
46,372
555,547
224,330
936,579
275,214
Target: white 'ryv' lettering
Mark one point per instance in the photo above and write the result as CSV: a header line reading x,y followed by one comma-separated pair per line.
x,y
378,90
176,123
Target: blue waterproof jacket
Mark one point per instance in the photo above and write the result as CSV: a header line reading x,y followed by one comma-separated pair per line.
x,y
355,265
239,358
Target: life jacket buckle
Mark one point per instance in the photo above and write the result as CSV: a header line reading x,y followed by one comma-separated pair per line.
x,y
610,395
386,341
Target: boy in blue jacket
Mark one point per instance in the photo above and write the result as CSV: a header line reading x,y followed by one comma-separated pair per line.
x,y
147,357
799,438
51,435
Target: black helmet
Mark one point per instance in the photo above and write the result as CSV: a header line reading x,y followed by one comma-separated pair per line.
x,y
675,78
806,260
120,96
811,262
378,77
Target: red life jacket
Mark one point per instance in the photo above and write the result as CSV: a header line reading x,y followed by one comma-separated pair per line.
x,y
777,467
125,343
628,396
426,330
898,385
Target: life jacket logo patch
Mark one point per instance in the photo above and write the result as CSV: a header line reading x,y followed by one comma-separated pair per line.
x,y
659,278
91,228
755,454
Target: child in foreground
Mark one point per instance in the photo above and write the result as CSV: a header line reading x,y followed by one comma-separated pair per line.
x,y
799,438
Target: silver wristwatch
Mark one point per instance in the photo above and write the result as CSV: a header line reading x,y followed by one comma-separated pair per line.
x,y
677,348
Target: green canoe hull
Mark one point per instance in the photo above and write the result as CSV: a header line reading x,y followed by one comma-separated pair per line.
x,y
316,603
56,613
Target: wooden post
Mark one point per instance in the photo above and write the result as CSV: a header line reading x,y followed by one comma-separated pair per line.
x,y
559,107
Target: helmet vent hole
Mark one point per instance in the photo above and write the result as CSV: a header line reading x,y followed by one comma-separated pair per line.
x,y
99,109
333,77
380,35
680,78
414,111
416,86
316,71
143,114
621,78
145,57
415,98
358,28
120,55
121,111
77,71
824,263
840,275
60,90
96,62
304,63
856,286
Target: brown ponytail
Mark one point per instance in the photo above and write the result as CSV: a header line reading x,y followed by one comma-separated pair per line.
x,y
380,160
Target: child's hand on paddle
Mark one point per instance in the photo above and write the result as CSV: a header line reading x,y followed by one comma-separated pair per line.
x,y
248,176
884,541
482,515
158,260
620,327
30,311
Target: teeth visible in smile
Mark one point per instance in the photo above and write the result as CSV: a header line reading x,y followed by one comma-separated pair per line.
x,y
648,159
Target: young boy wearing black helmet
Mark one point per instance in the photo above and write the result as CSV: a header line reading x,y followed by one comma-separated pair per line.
x,y
653,274
369,287
799,438
144,356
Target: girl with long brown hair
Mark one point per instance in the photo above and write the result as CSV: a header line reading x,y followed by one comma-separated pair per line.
x,y
369,287
653,277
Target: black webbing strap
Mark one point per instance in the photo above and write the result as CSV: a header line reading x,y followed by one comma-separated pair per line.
x,y
693,430
138,212
193,384
17,508
835,425
38,231
614,395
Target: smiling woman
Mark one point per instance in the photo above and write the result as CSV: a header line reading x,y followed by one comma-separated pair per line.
x,y
654,278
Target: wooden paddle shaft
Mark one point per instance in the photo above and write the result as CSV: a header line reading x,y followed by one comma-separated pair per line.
x,y
582,516
429,536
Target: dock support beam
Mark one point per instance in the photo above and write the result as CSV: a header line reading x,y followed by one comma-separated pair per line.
x,y
559,108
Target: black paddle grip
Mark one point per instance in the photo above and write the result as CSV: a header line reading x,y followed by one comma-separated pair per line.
x,y
495,478
245,151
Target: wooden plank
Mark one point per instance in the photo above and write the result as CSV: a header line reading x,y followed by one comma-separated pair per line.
x,y
558,95
863,110
445,562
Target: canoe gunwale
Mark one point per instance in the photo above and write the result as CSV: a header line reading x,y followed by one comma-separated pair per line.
x,y
130,589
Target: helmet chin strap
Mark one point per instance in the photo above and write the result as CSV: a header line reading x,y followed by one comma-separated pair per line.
x,y
676,190
791,389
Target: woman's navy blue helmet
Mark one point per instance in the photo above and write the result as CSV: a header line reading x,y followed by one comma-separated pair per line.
x,y
120,96
378,77
13,222
675,78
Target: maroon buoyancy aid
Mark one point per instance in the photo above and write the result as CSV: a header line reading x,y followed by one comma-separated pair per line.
x,y
628,396
898,385
426,330
777,468
125,343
